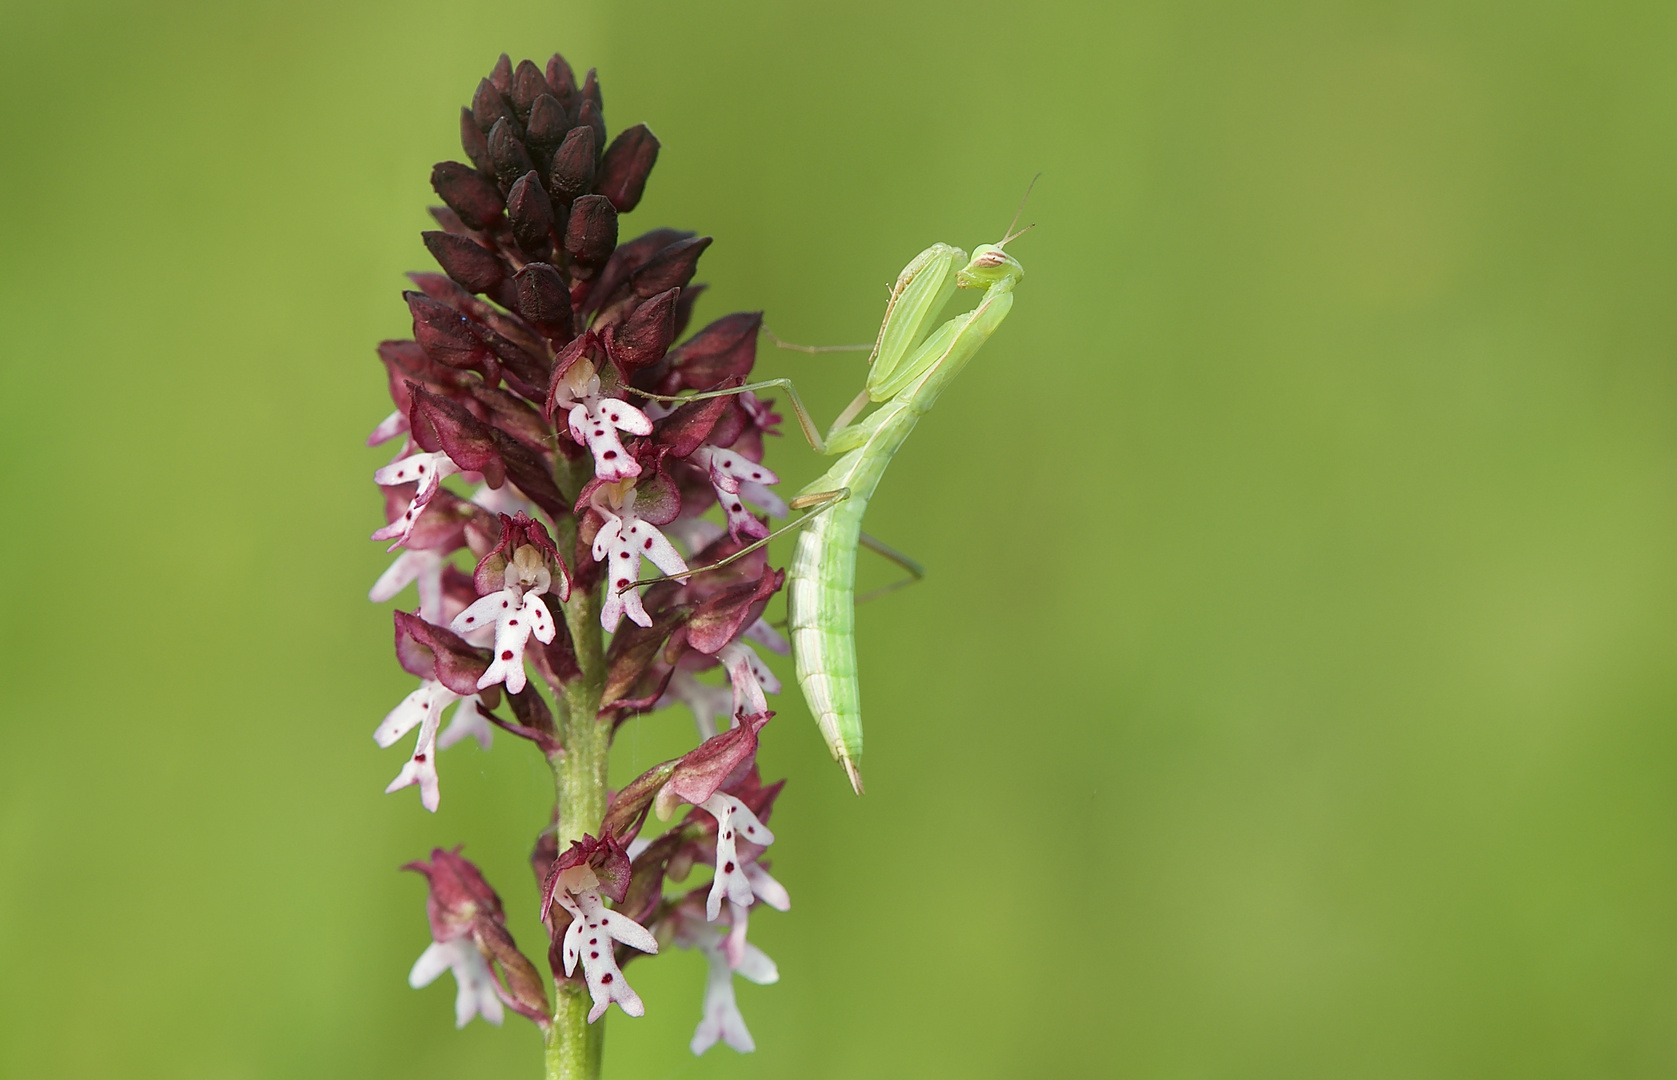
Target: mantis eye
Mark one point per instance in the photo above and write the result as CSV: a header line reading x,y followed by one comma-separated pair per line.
x,y
990,260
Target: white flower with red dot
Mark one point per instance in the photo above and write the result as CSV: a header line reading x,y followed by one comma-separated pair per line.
x,y
589,939
750,678
594,420
516,612
471,972
429,470
425,567
424,708
391,426
621,543
734,820
721,1020
737,481
469,722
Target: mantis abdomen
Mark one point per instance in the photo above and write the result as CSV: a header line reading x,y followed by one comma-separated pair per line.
x,y
821,608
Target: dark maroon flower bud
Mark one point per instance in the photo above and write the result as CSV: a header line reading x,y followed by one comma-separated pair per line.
x,y
690,425
501,76
548,122
449,338
473,141
440,424
468,193
573,164
711,765
531,213
719,619
561,80
627,163
591,92
591,232
519,984
590,116
488,107
726,347
645,335
448,219
528,84
458,894
405,360
613,283
543,301
442,289
507,153
465,260
431,652
513,415
684,306
628,808
671,268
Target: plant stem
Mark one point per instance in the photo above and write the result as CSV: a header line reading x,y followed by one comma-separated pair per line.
x,y
579,774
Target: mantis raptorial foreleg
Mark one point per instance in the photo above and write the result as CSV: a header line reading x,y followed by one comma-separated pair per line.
x,y
805,421
821,500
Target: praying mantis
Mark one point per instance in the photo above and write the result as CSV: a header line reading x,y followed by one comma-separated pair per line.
x,y
909,368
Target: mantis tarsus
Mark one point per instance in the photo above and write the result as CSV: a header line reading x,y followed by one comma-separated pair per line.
x,y
909,369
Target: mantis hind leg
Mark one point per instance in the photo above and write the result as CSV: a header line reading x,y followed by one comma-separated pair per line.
x,y
916,572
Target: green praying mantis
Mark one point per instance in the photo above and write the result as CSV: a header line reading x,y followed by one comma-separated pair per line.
x,y
909,368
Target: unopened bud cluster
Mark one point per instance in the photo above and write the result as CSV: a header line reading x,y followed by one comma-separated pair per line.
x,y
534,478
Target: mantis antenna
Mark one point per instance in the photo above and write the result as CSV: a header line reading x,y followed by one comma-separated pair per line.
x,y
1011,236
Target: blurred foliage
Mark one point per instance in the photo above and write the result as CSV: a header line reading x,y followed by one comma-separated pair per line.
x,y
1292,691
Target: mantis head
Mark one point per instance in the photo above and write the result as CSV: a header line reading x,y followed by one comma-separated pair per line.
x,y
989,266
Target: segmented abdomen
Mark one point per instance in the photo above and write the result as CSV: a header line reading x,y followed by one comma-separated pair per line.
x,y
820,588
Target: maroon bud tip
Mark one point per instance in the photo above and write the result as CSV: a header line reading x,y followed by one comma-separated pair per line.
x,y
467,193
670,268
472,140
561,79
507,153
543,301
590,116
548,121
488,106
528,83
591,232
573,164
531,212
627,163
501,77
465,260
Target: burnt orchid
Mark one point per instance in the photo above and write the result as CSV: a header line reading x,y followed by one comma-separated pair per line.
x,y
538,463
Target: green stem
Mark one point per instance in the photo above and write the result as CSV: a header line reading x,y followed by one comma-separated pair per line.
x,y
579,774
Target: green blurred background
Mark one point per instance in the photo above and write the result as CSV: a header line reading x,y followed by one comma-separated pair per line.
x,y
1292,692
